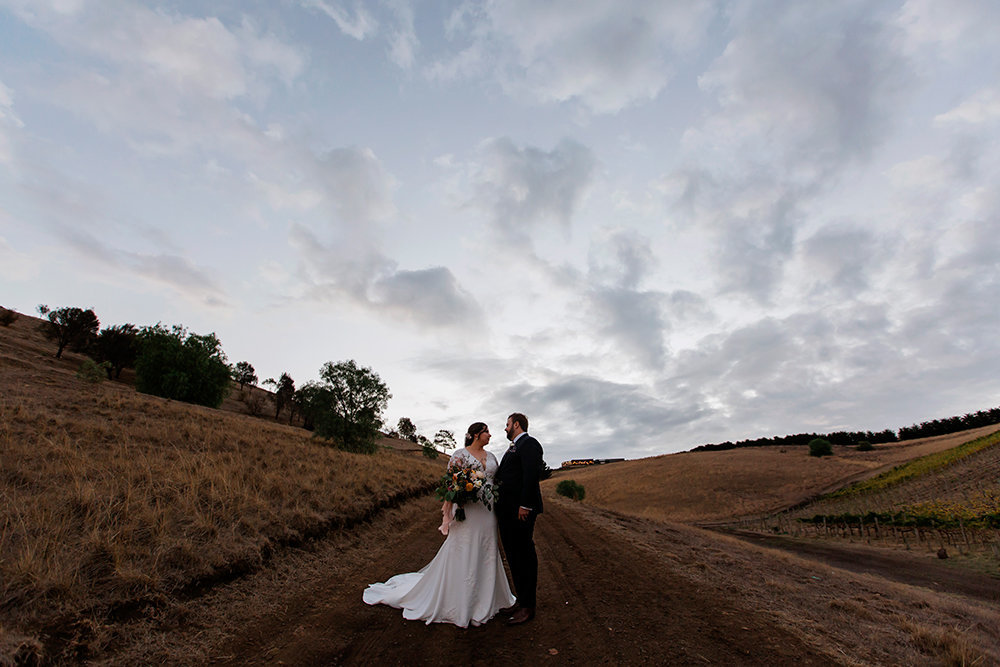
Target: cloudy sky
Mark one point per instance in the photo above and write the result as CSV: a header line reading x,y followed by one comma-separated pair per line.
x,y
648,225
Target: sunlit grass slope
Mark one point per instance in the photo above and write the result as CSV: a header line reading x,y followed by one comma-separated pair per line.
x,y
108,497
722,485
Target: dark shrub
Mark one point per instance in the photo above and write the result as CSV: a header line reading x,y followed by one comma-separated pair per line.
x,y
820,447
571,489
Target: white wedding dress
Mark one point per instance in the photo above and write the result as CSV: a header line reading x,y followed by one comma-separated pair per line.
x,y
465,582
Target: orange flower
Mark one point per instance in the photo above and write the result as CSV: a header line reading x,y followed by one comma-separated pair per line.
x,y
469,486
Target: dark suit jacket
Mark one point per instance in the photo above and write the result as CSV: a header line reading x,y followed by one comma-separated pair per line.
x,y
518,476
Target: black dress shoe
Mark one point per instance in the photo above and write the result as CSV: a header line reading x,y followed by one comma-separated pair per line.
x,y
522,615
510,610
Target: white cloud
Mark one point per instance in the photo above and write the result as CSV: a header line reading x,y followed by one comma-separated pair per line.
x,y
715,220
359,25
195,283
524,187
803,93
403,41
604,55
959,26
357,184
196,56
981,108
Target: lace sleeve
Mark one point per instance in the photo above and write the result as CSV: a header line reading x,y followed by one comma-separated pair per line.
x,y
457,459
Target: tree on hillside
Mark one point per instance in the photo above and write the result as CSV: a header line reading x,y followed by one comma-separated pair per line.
x,y
72,327
427,447
243,372
407,429
284,395
309,399
348,404
444,440
119,347
187,367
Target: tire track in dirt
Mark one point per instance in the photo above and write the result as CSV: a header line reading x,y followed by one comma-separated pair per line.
x,y
902,566
600,600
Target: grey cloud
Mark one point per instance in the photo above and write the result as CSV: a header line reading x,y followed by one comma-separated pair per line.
x,y
840,258
346,268
687,306
587,416
432,297
852,367
752,250
605,57
522,187
623,258
802,93
634,320
360,273
817,84
179,273
357,185
619,309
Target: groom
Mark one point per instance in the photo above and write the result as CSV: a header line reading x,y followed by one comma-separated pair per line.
x,y
520,502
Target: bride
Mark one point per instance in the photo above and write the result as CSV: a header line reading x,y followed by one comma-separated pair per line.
x,y
465,582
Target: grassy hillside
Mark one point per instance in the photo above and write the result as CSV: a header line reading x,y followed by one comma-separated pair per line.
x,y
720,486
112,500
953,495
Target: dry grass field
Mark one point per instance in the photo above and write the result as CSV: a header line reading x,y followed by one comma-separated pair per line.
x,y
716,487
136,530
113,501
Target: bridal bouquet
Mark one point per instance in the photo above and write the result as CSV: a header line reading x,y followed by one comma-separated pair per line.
x,y
466,485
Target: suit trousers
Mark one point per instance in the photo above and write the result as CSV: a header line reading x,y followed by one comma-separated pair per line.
x,y
518,542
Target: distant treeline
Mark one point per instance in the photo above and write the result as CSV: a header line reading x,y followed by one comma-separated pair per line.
x,y
853,438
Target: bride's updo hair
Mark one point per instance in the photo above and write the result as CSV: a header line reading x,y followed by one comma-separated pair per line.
x,y
474,432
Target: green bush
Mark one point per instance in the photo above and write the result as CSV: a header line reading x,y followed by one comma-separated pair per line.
x,y
820,447
865,446
92,372
428,450
185,367
571,489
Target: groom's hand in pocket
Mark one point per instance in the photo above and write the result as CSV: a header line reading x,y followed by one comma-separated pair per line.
x,y
523,513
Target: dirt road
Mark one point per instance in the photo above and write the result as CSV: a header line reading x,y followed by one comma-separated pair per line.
x,y
600,602
613,589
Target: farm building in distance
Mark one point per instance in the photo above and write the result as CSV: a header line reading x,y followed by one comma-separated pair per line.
x,y
576,463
